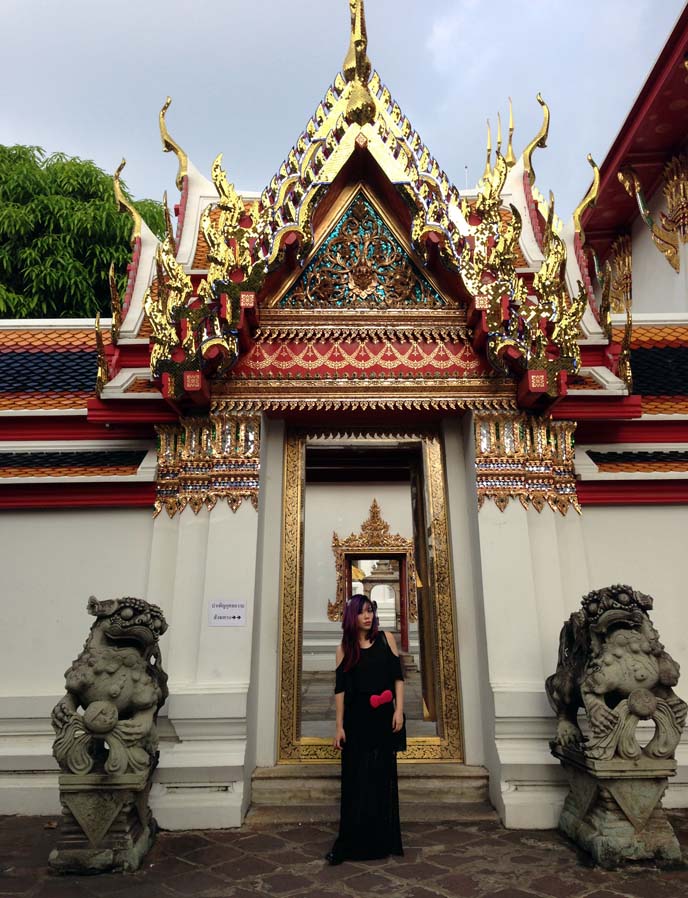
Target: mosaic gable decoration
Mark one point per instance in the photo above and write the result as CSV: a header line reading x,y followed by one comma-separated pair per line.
x,y
361,265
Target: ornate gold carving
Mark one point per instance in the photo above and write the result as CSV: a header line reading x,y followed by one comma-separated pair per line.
x,y
102,375
616,281
124,205
361,264
539,141
374,539
166,307
588,200
664,235
676,193
171,146
360,107
203,460
292,748
116,305
525,458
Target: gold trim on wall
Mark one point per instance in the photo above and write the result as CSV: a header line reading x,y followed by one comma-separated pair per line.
x,y
292,748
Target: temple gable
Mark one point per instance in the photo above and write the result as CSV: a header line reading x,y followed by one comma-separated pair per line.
x,y
361,265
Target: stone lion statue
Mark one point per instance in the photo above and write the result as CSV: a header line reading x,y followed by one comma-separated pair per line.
x,y
612,664
119,683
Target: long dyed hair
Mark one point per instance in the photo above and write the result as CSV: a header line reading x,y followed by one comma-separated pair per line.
x,y
354,607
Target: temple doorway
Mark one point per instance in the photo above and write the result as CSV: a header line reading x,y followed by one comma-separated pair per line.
x,y
366,514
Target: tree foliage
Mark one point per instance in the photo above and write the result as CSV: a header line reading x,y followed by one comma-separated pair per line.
x,y
59,231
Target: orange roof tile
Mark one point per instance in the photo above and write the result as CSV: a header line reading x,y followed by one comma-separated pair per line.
x,y
70,471
50,339
646,467
665,405
655,336
47,400
141,385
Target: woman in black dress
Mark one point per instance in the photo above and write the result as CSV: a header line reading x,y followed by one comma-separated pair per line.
x,y
369,698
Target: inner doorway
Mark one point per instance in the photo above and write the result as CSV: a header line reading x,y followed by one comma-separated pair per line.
x,y
366,514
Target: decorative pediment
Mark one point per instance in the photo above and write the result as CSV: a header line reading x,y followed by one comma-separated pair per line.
x,y
362,265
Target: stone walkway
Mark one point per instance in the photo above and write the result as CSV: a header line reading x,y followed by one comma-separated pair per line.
x,y
479,860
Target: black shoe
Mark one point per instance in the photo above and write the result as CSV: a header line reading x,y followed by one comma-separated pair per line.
x,y
333,859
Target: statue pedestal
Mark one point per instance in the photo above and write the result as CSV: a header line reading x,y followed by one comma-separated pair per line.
x,y
106,824
613,809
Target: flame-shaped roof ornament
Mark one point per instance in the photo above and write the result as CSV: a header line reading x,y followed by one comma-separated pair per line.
x,y
357,68
124,205
170,145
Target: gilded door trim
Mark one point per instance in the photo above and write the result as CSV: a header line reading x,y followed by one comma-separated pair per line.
x,y
294,749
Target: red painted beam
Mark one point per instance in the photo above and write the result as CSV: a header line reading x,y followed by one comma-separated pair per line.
x,y
70,428
632,492
645,431
130,411
594,357
77,495
592,408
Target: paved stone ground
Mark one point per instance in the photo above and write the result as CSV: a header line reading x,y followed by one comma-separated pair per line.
x,y
479,860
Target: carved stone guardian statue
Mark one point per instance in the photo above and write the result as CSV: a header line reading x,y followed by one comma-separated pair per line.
x,y
612,664
107,753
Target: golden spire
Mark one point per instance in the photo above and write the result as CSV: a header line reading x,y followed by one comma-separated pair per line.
x,y
357,68
499,134
588,200
171,146
540,140
510,157
124,205
488,160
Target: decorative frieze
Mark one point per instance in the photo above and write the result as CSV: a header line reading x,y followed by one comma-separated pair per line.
x,y
208,458
525,458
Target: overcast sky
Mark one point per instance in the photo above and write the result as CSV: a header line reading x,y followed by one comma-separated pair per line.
x,y
88,77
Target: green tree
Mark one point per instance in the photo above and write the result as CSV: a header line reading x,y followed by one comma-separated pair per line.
x,y
59,231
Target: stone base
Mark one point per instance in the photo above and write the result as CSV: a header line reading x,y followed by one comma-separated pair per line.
x,y
106,825
613,809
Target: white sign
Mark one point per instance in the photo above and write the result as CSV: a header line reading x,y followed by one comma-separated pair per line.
x,y
227,614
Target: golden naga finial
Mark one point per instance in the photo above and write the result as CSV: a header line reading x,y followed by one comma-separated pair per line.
x,y
488,159
124,205
588,200
357,68
171,146
540,140
510,155
116,304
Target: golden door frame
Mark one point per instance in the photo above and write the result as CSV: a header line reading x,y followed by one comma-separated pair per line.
x,y
293,748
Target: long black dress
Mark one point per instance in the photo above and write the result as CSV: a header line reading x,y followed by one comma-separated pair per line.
x,y
369,817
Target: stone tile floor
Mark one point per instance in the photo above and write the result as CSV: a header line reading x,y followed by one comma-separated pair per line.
x,y
479,860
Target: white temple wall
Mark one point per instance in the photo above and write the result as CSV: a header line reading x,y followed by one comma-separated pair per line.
x,y
657,287
339,508
52,561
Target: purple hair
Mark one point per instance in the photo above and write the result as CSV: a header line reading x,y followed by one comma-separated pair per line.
x,y
354,607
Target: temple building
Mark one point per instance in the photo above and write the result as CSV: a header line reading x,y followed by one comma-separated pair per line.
x,y
363,379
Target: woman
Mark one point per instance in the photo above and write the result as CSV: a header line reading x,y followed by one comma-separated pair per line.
x,y
369,699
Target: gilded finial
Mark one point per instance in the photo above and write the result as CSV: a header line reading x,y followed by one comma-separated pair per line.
x,y
540,140
510,155
171,146
588,200
124,205
357,68
116,304
499,134
488,160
